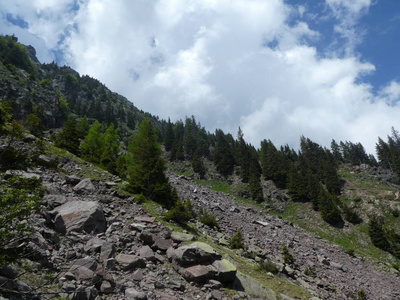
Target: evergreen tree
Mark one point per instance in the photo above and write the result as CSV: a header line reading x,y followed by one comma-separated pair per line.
x,y
335,148
256,191
198,164
34,124
93,145
329,210
146,168
83,127
377,234
223,156
169,136
274,165
68,138
242,156
111,148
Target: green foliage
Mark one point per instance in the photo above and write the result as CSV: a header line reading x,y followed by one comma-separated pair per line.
x,y
12,159
68,138
329,209
146,167
256,191
14,54
310,271
169,136
140,198
109,156
63,106
377,234
198,165
34,124
93,145
223,153
361,295
274,164
83,127
237,241
208,219
5,115
267,266
287,257
181,212
19,198
351,216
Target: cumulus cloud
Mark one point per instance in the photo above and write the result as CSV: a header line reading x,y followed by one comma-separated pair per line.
x,y
247,63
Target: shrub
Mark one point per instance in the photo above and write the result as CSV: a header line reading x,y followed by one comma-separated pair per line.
x,y
362,295
180,212
287,257
237,241
310,271
208,219
267,266
18,200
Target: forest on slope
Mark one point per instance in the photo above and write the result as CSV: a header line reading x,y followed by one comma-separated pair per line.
x,y
81,115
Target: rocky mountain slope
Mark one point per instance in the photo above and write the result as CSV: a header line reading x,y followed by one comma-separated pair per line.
x,y
92,240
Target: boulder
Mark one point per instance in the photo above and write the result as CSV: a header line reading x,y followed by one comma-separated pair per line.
x,y
194,254
132,294
177,236
128,262
79,216
146,253
72,179
160,244
97,245
85,187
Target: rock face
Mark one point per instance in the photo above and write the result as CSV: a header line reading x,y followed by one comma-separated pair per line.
x,y
81,216
199,262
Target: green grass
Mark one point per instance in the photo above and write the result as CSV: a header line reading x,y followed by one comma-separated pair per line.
x,y
354,238
215,185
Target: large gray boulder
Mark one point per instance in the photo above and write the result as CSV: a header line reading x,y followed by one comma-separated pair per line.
x,y
85,186
199,262
80,216
193,254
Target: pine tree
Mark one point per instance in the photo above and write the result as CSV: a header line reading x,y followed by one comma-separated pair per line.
x,y
146,168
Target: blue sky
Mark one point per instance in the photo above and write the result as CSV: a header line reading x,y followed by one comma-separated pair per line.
x,y
279,69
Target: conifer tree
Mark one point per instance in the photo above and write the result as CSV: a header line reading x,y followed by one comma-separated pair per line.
x,y
169,136
377,234
93,144
110,153
223,156
83,127
256,191
68,138
198,164
146,168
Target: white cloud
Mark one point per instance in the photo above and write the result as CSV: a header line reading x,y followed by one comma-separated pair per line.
x,y
347,14
210,59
